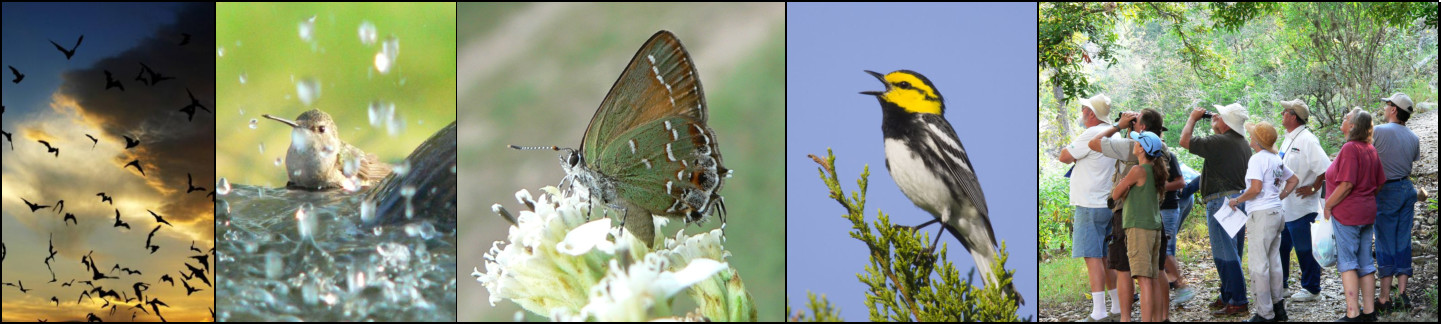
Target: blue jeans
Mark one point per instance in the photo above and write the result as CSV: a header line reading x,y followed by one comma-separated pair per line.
x,y
1226,253
1088,232
1299,233
1395,216
1173,227
1353,248
1170,224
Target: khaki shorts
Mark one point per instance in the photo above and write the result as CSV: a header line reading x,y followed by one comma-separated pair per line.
x,y
1143,249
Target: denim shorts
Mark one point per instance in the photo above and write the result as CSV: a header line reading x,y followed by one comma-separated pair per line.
x,y
1088,232
1171,223
1353,248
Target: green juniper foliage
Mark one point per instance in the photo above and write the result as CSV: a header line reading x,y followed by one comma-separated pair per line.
x,y
905,283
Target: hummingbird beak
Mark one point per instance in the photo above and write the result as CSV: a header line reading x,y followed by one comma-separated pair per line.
x,y
878,76
282,120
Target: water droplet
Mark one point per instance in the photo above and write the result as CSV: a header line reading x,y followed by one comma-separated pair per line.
x,y
220,52
357,280
381,112
262,148
351,166
382,63
368,33
401,169
254,123
307,28
277,161
223,188
423,230
391,48
310,294
273,265
242,77
367,211
395,125
308,89
305,224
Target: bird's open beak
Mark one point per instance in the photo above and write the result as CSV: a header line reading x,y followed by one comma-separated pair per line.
x,y
878,76
282,120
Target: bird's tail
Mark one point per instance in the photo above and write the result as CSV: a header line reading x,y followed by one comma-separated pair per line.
x,y
984,252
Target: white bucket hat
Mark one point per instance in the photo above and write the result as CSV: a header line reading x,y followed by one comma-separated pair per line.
x,y
1101,105
1235,116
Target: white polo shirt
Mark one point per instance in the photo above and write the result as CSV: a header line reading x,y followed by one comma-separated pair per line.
x,y
1302,153
1091,179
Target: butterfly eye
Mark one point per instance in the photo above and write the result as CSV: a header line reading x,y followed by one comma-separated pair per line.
x,y
904,85
574,159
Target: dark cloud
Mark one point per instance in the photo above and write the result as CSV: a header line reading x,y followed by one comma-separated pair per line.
x,y
172,145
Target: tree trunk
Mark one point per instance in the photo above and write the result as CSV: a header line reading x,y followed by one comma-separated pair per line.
x,y
1061,120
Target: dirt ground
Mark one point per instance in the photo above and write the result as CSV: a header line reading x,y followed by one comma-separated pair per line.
x,y
1422,288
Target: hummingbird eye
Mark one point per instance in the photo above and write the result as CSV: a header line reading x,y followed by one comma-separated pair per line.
x,y
320,129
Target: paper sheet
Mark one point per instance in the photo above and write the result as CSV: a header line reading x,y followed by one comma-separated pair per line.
x,y
1231,219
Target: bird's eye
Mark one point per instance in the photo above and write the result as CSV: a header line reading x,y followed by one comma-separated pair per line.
x,y
904,85
320,129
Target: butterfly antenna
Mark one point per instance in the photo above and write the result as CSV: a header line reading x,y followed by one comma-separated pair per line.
x,y
534,148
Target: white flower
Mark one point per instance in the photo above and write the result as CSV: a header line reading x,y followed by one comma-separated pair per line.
x,y
558,262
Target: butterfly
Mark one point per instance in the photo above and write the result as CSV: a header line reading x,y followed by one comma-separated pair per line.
x,y
648,150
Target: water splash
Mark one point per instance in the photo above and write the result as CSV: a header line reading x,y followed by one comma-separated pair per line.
x,y
368,34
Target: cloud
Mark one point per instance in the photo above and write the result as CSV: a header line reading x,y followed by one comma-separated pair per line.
x,y
171,145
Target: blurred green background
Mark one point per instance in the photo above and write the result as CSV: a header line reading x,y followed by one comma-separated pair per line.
x,y
262,43
534,74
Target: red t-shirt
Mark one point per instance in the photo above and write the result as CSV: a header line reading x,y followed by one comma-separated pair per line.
x,y
1358,164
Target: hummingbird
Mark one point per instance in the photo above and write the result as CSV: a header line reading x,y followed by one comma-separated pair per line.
x,y
319,160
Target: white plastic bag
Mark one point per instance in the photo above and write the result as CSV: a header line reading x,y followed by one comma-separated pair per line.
x,y
1323,242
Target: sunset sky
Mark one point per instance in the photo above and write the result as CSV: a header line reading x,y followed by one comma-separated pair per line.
x,y
61,101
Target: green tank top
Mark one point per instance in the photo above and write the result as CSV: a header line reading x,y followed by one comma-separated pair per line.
x,y
1143,206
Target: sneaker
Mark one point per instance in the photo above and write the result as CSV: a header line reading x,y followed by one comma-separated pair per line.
x,y
1368,317
1384,306
1182,296
1303,295
1349,319
1258,318
1088,318
1279,308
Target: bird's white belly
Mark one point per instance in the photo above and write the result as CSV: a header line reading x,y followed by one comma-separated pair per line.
x,y
921,185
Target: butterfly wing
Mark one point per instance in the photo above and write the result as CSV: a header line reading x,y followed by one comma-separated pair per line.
x,y
660,81
650,135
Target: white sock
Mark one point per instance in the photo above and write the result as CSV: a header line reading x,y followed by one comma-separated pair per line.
x,y
1098,305
1115,302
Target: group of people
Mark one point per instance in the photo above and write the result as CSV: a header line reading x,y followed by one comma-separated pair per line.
x,y
1130,200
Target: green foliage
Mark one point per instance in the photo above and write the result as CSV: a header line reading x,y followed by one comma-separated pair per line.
x,y
1066,281
908,284
1398,14
1230,16
1177,56
822,309
1054,200
1064,30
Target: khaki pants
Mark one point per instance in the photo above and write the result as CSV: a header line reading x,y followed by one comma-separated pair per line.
x,y
1264,237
